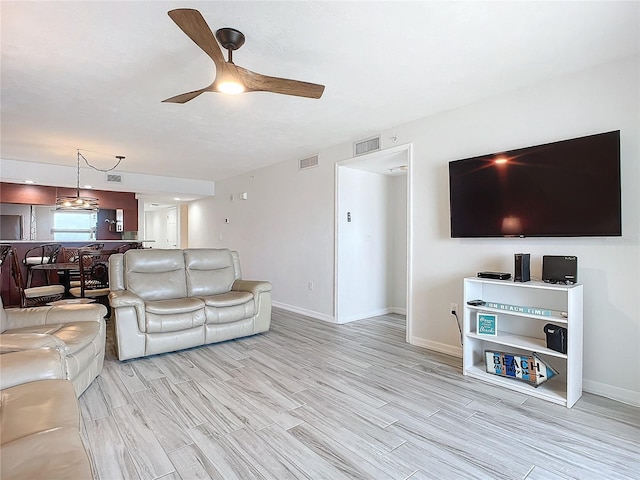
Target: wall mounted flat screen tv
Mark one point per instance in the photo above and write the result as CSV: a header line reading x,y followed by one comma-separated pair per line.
x,y
569,188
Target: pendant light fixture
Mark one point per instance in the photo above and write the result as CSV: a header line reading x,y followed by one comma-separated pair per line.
x,y
77,203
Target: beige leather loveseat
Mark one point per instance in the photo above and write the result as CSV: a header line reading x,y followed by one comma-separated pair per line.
x,y
166,300
39,418
78,331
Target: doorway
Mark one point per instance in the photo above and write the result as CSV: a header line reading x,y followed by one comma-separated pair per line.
x,y
162,225
373,232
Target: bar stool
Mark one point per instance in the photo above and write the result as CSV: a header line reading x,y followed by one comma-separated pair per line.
x,y
35,296
45,253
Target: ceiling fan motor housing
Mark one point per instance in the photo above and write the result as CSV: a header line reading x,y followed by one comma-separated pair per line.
x,y
230,38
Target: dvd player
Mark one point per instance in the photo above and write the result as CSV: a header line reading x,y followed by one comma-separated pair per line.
x,y
495,275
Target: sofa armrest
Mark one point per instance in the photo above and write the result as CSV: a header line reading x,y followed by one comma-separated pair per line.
x,y
261,291
27,366
89,312
126,298
254,286
16,342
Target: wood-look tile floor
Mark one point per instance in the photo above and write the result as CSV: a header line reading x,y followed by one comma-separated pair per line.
x,y
313,400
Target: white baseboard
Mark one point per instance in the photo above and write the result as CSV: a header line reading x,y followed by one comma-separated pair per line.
x,y
305,312
436,346
615,393
374,313
331,319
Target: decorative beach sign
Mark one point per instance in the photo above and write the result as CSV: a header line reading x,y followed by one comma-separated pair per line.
x,y
518,309
487,324
529,368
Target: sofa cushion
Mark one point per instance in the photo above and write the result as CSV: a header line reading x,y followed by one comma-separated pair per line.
x,y
209,271
44,291
75,335
36,407
173,306
155,274
40,432
228,299
230,314
56,454
173,315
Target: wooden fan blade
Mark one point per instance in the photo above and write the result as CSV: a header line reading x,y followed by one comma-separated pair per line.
x,y
185,97
195,27
256,82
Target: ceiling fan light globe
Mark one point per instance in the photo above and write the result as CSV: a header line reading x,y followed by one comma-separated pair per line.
x,y
231,88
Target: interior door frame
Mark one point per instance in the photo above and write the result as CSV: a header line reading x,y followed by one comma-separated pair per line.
x,y
408,150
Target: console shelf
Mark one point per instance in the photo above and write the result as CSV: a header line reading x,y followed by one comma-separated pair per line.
x,y
555,318
522,333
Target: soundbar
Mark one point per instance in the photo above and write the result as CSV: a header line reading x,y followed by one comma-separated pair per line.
x,y
495,275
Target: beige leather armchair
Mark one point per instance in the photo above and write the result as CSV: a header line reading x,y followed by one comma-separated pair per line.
x,y
39,418
77,331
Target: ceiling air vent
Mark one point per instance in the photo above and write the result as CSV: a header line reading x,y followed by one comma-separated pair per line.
x,y
365,146
114,178
308,162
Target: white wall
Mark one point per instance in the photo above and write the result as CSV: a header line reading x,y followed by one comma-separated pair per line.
x,y
285,230
183,215
398,254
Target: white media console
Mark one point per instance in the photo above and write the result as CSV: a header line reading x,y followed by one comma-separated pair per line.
x,y
520,331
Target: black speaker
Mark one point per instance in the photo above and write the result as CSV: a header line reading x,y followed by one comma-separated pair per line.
x,y
560,269
522,267
556,337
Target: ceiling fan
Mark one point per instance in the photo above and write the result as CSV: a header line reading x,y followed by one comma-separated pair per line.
x,y
231,78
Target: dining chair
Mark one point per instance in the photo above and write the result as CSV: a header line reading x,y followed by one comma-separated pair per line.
x,y
33,296
72,255
39,255
94,275
4,252
128,246
5,249
93,246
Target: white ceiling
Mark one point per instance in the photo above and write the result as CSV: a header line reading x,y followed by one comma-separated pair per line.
x,y
92,74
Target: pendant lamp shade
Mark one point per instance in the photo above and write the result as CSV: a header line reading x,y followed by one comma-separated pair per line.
x,y
77,202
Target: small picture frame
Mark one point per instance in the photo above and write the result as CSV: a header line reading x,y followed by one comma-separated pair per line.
x,y
487,324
